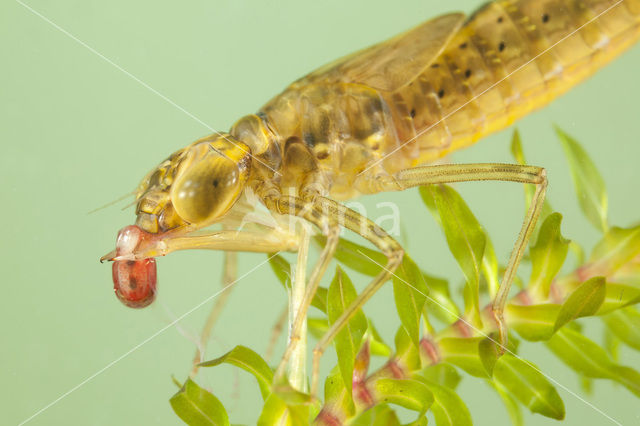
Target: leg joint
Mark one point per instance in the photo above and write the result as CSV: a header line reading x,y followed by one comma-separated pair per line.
x,y
318,351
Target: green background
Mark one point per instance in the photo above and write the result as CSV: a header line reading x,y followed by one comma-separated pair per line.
x,y
77,132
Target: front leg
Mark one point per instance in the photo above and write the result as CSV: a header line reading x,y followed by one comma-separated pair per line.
x,y
326,214
310,210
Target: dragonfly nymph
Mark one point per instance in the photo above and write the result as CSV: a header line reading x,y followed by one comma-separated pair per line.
x,y
371,122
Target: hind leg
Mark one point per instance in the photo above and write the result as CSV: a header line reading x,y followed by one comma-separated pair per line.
x,y
449,173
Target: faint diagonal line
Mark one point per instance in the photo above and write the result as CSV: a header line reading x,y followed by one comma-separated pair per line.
x,y
109,61
497,343
139,345
422,132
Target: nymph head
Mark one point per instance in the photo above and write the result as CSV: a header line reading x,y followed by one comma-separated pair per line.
x,y
195,186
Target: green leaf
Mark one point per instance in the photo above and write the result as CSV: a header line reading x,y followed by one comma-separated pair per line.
x,y
407,354
618,296
428,198
489,352
289,394
617,248
439,303
584,301
422,421
532,322
442,374
528,385
516,148
628,273
588,359
408,393
578,253
513,343
409,291
586,385
380,415
317,327
378,346
337,402
277,412
625,325
611,343
356,256
590,188
627,377
248,360
490,269
466,240
320,299
196,407
463,352
518,154
547,256
347,341
448,408
529,190
333,385
282,270
510,403
581,354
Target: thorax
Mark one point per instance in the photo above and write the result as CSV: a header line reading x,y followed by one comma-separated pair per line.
x,y
324,134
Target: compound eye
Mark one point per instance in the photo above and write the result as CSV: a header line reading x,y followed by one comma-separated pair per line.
x,y
207,188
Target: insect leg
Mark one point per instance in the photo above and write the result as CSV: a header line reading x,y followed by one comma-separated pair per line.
x,y
261,241
311,211
335,212
449,173
298,360
276,331
322,211
229,275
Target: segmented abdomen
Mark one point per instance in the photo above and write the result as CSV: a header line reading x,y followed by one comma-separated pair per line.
x,y
510,58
